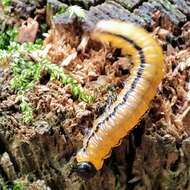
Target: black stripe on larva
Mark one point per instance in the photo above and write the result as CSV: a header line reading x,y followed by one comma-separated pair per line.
x,y
133,85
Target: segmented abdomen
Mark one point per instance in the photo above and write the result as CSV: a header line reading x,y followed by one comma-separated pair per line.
x,y
134,99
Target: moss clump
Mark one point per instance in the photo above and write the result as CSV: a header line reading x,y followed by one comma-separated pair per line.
x,y
6,2
26,72
57,73
6,5
14,186
6,37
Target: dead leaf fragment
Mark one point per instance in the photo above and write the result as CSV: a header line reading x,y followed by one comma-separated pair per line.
x,y
28,31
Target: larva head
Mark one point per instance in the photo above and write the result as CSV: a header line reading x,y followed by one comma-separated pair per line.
x,y
86,170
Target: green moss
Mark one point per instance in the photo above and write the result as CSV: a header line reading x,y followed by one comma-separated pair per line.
x,y
26,110
26,72
19,186
74,10
6,37
6,3
57,73
70,12
16,185
3,184
77,11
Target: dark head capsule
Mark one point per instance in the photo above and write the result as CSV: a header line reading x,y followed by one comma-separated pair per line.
x,y
86,170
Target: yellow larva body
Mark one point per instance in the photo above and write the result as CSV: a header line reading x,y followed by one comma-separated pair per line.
x,y
134,99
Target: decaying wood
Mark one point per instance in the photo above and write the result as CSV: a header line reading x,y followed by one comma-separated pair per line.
x,y
156,153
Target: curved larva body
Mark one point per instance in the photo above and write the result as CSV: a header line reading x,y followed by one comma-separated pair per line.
x,y
134,99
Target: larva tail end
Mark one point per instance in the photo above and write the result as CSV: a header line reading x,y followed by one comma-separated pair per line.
x,y
86,170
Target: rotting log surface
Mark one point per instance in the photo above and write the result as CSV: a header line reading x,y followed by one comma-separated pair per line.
x,y
156,153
